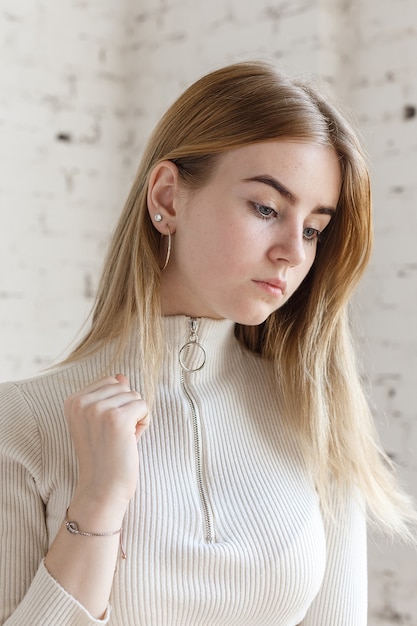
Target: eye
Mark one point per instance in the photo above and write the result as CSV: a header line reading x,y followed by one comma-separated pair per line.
x,y
263,211
311,234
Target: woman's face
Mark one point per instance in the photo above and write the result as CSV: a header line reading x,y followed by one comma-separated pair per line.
x,y
245,241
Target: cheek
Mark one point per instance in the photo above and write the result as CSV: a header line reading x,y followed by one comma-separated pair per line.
x,y
303,269
221,246
311,254
198,252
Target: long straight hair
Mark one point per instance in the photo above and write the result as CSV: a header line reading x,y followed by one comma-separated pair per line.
x,y
308,339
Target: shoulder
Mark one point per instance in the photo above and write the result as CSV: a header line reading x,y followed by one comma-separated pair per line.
x,y
41,397
32,421
31,394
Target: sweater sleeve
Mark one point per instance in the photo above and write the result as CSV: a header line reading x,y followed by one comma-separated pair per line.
x,y
342,598
28,594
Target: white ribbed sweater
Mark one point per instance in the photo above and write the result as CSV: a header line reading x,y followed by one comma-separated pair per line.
x,y
272,561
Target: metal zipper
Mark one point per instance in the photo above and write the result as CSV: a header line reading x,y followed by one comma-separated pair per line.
x,y
193,344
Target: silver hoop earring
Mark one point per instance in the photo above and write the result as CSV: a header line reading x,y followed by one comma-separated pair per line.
x,y
157,217
168,249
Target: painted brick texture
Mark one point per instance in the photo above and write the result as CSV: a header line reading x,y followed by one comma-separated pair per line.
x,y
81,85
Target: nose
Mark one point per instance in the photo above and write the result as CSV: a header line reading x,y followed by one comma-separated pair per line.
x,y
289,244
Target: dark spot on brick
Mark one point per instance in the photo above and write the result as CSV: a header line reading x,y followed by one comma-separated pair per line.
x,y
142,17
66,137
392,616
88,286
363,81
409,112
13,295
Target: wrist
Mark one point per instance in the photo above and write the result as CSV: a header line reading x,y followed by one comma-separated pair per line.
x,y
96,515
74,529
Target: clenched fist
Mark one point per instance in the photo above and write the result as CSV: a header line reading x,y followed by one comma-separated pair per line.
x,y
106,419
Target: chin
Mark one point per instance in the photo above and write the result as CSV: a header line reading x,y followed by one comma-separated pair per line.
x,y
253,318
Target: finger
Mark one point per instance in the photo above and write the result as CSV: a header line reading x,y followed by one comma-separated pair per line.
x,y
118,401
98,384
109,389
133,414
141,425
106,388
130,408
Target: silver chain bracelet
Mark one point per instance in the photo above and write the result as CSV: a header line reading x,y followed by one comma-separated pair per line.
x,y
72,527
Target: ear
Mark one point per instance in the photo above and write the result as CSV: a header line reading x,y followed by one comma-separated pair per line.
x,y
162,193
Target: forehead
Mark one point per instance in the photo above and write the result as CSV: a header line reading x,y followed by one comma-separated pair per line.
x,y
302,167
276,153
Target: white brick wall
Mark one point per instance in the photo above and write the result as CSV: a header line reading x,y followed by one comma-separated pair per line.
x,y
64,141
81,85
383,91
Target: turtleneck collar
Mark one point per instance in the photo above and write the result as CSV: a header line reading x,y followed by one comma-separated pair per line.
x,y
215,336
210,332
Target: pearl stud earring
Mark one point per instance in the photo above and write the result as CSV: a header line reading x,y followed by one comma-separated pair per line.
x,y
157,217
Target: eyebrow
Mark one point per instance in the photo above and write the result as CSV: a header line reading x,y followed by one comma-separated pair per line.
x,y
282,189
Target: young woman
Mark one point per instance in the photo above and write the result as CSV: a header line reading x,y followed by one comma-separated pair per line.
x,y
210,427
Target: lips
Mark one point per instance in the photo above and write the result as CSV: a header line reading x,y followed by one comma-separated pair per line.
x,y
273,285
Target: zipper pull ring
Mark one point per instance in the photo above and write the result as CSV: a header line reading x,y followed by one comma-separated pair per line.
x,y
192,350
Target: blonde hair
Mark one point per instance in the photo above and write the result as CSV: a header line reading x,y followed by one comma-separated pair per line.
x,y
308,339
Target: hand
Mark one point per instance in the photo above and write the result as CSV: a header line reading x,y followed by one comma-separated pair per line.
x,y
106,419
